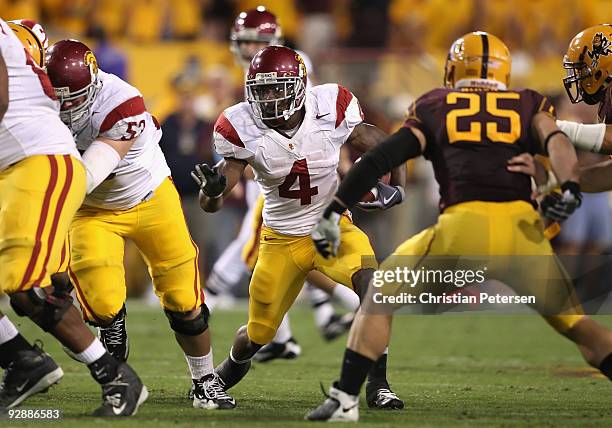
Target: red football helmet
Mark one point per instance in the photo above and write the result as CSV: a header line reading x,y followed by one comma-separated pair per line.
x,y
253,30
276,83
73,71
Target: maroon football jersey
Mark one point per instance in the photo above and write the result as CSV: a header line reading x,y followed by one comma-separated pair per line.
x,y
605,107
471,134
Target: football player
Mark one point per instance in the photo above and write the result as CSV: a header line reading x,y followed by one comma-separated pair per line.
x,y
291,137
129,195
42,182
253,30
469,130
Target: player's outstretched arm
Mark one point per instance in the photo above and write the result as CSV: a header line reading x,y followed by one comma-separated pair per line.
x,y
102,157
217,182
564,163
596,138
365,137
405,144
4,94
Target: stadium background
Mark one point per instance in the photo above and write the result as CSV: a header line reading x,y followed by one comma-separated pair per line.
x,y
388,52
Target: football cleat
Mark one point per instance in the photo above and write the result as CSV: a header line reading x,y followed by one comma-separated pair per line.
x,y
123,395
208,393
230,373
337,407
115,338
380,396
273,350
31,372
337,325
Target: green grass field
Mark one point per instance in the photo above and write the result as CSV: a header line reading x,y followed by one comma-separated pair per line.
x,y
452,370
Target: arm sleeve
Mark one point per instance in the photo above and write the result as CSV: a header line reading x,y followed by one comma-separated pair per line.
x,y
392,152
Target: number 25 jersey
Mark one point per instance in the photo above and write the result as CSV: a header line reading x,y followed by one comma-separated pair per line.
x,y
471,134
297,175
119,113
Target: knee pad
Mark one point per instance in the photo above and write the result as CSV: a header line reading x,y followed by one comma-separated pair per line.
x,y
192,327
46,310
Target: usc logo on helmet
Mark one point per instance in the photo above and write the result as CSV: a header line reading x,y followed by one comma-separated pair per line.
x,y
91,61
302,66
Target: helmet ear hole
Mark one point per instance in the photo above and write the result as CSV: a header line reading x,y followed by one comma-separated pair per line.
x,y
598,74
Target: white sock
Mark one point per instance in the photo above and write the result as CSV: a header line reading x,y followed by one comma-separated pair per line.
x,y
283,333
92,353
8,330
347,297
323,313
200,366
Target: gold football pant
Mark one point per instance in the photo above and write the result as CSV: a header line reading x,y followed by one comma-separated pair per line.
x,y
510,236
284,261
39,197
159,230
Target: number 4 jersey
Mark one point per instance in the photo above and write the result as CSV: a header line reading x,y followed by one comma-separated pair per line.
x,y
471,134
297,175
119,113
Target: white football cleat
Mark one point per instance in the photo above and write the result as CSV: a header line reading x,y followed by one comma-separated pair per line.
x,y
338,407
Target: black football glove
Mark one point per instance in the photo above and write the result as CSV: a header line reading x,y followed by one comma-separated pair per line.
x,y
386,197
208,179
559,206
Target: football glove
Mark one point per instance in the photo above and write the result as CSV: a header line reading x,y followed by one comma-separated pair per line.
x,y
386,197
559,206
209,180
326,235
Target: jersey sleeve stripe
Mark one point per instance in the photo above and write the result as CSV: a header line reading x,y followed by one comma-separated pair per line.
x,y
41,222
342,102
227,130
132,107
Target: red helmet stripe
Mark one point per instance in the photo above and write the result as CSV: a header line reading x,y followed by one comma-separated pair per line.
x,y
132,107
227,130
342,102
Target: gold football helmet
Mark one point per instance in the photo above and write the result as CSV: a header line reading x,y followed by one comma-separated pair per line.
x,y
30,41
477,55
588,63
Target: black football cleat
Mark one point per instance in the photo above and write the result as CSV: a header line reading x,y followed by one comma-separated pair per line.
x,y
230,373
274,350
31,372
337,326
209,393
380,396
123,395
115,338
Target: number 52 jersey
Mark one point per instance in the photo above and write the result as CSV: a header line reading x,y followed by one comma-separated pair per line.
x,y
297,174
119,113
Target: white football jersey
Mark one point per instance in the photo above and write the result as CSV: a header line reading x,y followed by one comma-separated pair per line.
x,y
297,175
31,125
119,113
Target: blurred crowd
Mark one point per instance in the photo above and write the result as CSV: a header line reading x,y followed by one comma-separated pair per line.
x,y
388,52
